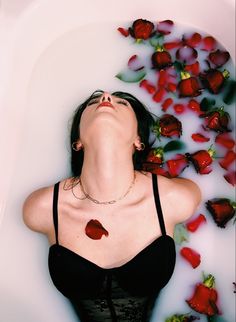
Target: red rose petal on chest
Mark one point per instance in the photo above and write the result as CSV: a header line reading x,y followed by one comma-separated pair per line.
x,y
95,230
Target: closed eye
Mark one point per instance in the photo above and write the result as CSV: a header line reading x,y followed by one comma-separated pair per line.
x,y
93,101
123,102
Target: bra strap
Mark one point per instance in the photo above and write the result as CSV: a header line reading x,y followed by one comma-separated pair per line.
x,y
55,211
158,204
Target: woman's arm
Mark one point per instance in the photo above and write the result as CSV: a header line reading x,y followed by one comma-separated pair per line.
x,y
37,210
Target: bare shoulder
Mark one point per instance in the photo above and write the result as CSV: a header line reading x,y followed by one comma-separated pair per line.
x,y
37,210
180,197
185,196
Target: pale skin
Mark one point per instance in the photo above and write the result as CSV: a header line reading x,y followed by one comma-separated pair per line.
x,y
108,135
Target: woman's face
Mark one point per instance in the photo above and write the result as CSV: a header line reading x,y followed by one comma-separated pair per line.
x,y
108,115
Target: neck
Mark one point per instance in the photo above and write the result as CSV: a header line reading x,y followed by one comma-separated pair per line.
x,y
107,173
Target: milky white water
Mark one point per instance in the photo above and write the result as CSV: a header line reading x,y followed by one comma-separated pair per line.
x,y
73,66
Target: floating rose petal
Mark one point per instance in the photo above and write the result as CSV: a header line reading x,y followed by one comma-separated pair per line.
x,y
179,108
172,44
194,224
171,87
194,69
150,88
167,102
123,31
163,77
159,95
186,54
191,256
192,40
228,159
198,137
219,58
134,63
208,43
225,139
177,165
230,177
164,27
194,106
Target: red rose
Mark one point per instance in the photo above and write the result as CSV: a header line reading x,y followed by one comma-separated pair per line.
x,y
219,58
213,80
217,120
201,160
170,126
221,210
204,298
161,59
191,256
141,29
189,87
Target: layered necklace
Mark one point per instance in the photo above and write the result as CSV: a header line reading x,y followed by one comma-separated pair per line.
x,y
87,196
94,229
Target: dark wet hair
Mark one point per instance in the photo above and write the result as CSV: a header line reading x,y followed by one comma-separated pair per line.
x,y
145,120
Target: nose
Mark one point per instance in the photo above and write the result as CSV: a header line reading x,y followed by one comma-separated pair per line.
x,y
106,97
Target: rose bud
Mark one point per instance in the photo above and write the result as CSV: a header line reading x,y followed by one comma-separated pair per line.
x,y
213,80
204,298
201,160
195,223
228,159
221,209
191,256
219,58
217,120
188,86
161,59
170,126
156,155
141,29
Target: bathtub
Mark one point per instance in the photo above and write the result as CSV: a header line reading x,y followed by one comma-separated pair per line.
x,y
35,101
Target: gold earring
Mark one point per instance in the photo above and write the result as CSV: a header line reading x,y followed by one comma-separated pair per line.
x,y
73,145
142,147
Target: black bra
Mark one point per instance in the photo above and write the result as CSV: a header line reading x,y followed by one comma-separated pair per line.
x,y
124,293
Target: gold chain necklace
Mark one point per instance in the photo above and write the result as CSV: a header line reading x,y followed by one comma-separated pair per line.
x,y
87,196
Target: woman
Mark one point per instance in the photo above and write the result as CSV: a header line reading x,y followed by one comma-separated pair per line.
x,y
112,247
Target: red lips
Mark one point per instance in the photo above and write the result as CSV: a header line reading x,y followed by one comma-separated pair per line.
x,y
105,104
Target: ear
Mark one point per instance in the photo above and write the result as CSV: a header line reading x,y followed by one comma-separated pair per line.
x,y
137,143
